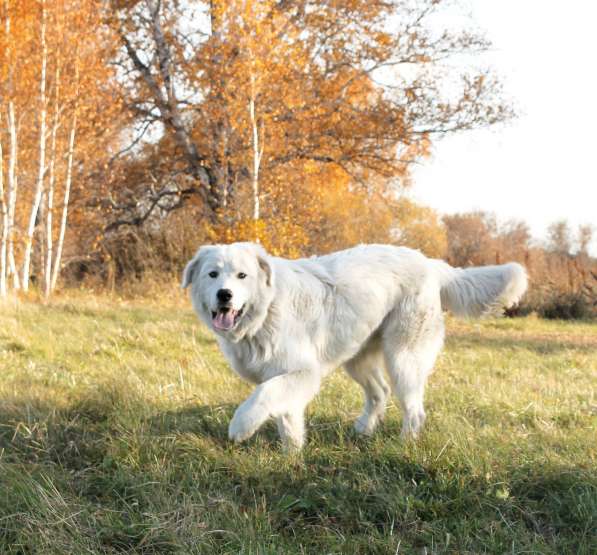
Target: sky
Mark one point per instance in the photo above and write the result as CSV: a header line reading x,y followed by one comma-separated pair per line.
x,y
540,167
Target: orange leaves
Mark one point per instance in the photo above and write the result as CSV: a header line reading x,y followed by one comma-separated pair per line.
x,y
418,227
54,60
280,237
303,115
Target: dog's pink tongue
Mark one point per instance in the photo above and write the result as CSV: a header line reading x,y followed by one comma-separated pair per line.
x,y
224,320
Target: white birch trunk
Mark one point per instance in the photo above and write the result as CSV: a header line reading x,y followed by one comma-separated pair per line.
x,y
4,240
12,271
256,153
67,188
50,193
4,200
42,155
12,183
12,195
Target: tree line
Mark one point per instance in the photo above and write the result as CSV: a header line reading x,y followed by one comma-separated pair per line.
x,y
133,130
56,106
562,272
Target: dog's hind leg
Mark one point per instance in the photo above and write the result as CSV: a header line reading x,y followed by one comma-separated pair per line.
x,y
366,370
412,338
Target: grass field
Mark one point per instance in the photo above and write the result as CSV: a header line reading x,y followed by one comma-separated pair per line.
x,y
113,439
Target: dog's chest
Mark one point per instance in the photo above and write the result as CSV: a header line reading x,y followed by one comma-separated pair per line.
x,y
254,363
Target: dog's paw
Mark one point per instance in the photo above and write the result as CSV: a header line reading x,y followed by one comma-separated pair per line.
x,y
412,425
362,426
247,419
366,424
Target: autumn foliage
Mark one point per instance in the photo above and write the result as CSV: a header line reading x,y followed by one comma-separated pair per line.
x,y
275,124
133,130
57,110
563,275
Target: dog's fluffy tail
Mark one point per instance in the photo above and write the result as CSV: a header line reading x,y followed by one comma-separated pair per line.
x,y
480,290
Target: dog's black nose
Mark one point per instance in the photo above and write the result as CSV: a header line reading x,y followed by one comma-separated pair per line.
x,y
224,295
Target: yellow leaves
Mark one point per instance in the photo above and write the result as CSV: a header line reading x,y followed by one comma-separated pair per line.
x,y
383,39
291,125
419,227
79,81
280,237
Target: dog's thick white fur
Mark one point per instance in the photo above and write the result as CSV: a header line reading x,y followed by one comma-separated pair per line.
x,y
285,324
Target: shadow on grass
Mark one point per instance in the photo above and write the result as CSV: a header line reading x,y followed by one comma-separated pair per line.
x,y
357,487
211,422
130,467
34,433
208,421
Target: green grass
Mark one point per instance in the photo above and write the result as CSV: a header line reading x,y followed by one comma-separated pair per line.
x,y
113,439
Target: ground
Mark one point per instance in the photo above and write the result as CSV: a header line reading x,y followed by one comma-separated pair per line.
x,y
113,439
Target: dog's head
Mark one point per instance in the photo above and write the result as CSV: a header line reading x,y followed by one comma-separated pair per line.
x,y
232,287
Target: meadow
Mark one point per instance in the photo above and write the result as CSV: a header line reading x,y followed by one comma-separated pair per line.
x,y
113,439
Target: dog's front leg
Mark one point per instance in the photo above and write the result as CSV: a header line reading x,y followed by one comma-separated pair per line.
x,y
283,397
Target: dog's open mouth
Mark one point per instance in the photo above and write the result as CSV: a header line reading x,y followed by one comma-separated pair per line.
x,y
226,318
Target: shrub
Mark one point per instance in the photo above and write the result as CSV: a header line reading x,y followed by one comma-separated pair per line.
x,y
569,306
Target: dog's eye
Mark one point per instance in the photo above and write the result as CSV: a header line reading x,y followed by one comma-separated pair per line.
x,y
213,274
241,275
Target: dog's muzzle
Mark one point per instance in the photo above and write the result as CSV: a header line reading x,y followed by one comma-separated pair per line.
x,y
225,318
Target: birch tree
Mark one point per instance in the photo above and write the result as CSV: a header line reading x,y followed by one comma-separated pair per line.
x,y
49,240
4,216
12,196
39,187
9,92
56,67
65,203
258,147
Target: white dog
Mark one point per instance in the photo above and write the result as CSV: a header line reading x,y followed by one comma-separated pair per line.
x,y
286,324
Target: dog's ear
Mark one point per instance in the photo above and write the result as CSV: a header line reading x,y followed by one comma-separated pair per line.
x,y
193,266
263,262
187,273
267,269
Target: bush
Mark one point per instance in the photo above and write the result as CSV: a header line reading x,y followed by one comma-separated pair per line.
x,y
570,306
